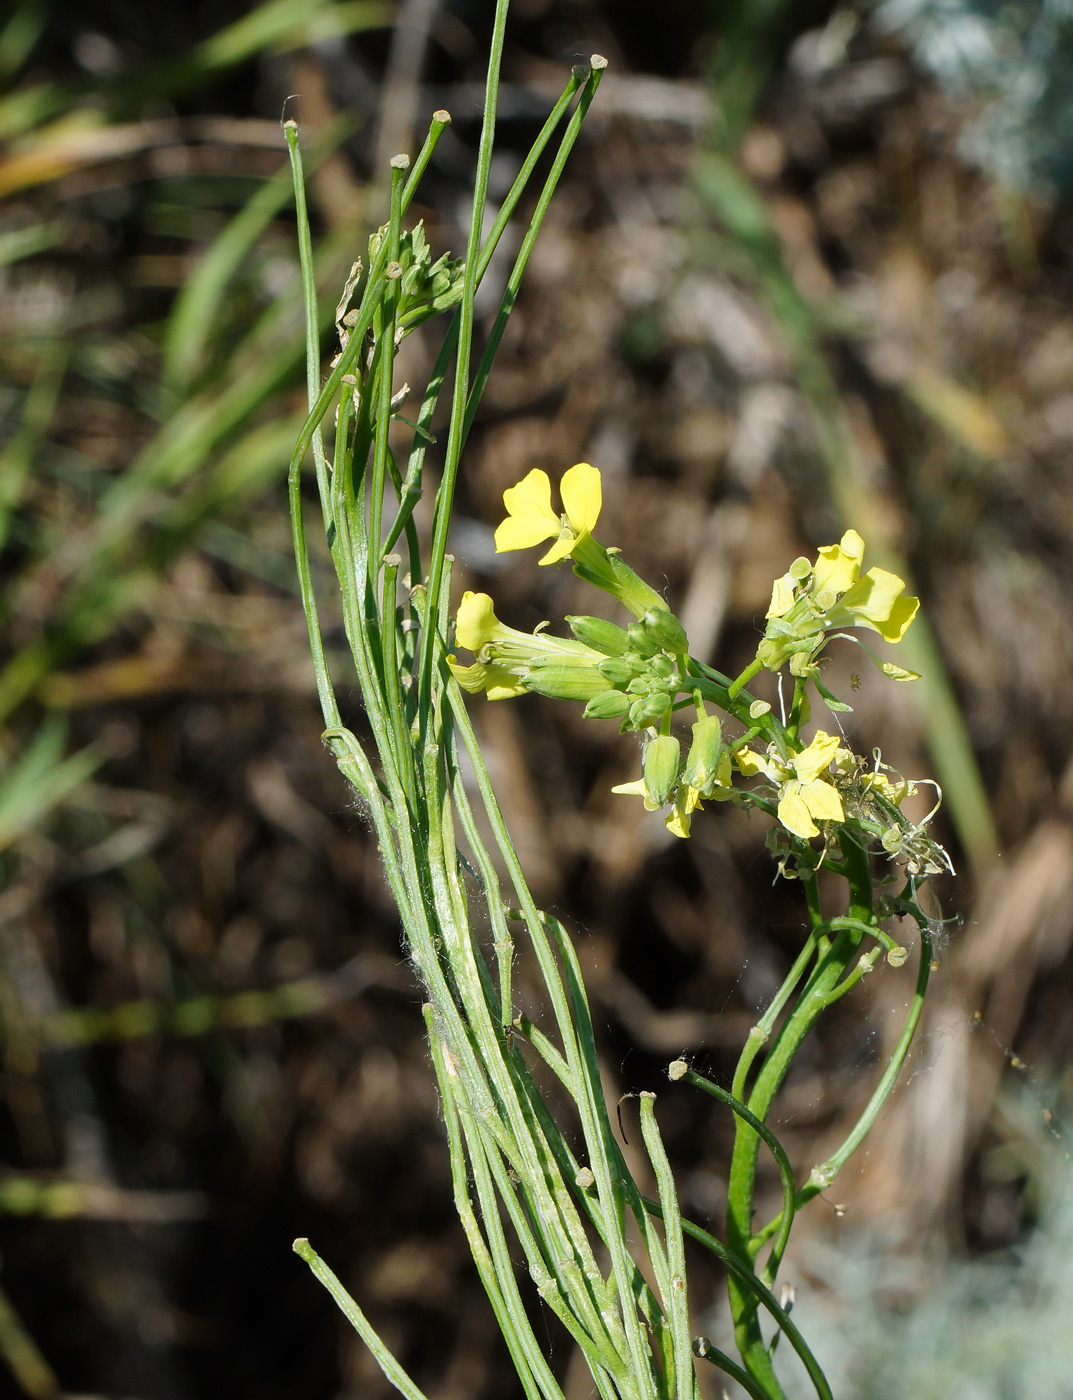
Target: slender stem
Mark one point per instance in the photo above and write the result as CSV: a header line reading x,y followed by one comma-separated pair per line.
x,y
305,258
767,1300
325,692
501,1289
521,262
361,1324
455,436
440,121
761,1032
384,323
786,1172
834,1164
707,1352
676,1301
832,964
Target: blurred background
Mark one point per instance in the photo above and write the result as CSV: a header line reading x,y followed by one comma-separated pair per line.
x,y
810,266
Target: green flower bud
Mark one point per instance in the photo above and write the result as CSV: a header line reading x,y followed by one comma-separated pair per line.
x,y
702,761
649,709
661,666
660,767
638,686
602,636
641,643
665,630
609,704
564,680
619,670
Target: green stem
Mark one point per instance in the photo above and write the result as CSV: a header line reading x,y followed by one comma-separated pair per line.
x,y
766,1299
456,435
786,1172
829,970
676,1300
824,1173
361,1324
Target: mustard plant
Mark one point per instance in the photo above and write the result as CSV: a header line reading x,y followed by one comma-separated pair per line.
x,y
535,1171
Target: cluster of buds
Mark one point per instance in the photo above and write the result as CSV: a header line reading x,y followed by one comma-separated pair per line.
x,y
641,666
425,287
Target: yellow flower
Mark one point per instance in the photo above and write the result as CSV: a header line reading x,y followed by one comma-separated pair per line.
x,y
496,681
806,793
531,520
511,663
476,623
878,601
837,566
812,599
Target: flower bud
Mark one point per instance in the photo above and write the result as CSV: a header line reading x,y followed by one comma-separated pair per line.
x,y
602,636
661,666
649,709
641,643
564,680
660,767
702,762
619,670
609,704
665,630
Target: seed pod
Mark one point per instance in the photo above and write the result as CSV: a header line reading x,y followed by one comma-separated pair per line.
x,y
602,636
665,630
609,704
660,767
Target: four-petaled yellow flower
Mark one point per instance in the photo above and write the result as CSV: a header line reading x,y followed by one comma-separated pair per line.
x,y
840,597
806,793
531,520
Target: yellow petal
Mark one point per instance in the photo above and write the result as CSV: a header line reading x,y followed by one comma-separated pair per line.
x,y
794,813
501,684
561,548
475,621
582,496
823,801
634,789
470,678
811,762
530,517
751,763
851,543
496,681
838,565
782,597
678,824
894,628
877,601
725,774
